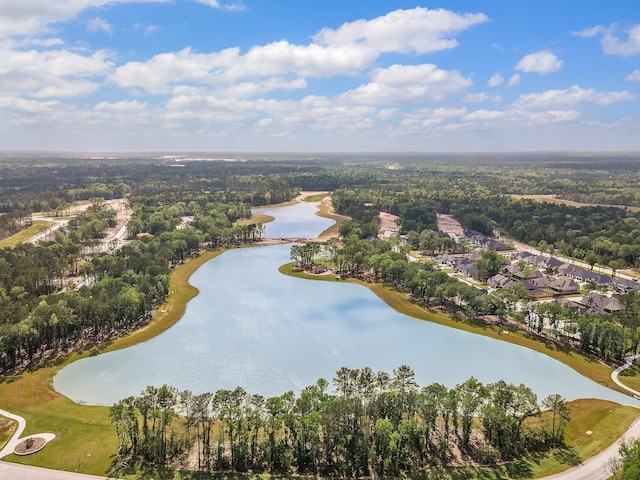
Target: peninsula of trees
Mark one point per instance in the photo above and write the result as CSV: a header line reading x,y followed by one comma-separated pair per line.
x,y
375,424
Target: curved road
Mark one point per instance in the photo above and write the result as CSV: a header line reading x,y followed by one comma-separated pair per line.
x,y
15,471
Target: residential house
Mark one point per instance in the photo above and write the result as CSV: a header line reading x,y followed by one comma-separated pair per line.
x,y
564,286
533,290
485,242
598,302
624,285
528,274
500,281
540,282
466,269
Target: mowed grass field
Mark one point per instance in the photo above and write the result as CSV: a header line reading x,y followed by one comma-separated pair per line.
x,y
25,235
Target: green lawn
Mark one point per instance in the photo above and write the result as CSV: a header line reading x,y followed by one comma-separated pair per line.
x,y
315,198
25,235
326,210
594,425
631,377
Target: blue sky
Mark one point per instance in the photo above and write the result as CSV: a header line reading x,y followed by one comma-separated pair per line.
x,y
303,75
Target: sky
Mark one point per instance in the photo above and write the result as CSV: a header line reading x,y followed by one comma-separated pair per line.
x,y
311,75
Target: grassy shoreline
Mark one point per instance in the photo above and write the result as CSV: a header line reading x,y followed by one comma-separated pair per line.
x,y
586,366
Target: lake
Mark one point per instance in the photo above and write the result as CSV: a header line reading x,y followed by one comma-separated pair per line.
x,y
253,327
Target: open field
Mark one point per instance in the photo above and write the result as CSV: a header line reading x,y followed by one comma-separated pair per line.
x,y
631,377
561,201
606,422
25,235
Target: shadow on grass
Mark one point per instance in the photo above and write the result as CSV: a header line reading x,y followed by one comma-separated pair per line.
x,y
568,456
515,470
632,371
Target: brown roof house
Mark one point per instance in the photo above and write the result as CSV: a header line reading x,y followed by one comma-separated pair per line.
x,y
564,286
601,303
500,281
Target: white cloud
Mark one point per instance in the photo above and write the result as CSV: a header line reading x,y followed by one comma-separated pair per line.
x,y
409,83
165,69
99,24
221,68
211,3
23,106
612,45
61,88
570,97
51,73
428,117
418,30
633,76
542,63
495,80
483,115
24,17
589,32
498,120
122,106
312,60
252,89
476,97
349,50
514,80
234,6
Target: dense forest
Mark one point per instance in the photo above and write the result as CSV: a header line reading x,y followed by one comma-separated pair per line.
x,y
375,424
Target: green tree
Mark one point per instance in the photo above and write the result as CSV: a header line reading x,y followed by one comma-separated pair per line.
x,y
489,264
559,409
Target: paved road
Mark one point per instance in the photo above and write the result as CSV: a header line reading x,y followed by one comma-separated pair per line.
x,y
13,471
8,448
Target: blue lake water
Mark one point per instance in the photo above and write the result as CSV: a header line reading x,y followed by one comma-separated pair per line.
x,y
253,327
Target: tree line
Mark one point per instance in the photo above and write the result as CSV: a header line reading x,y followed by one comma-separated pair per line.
x,y
373,424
